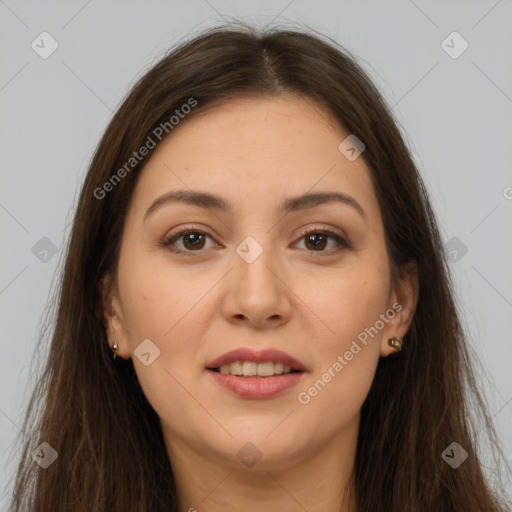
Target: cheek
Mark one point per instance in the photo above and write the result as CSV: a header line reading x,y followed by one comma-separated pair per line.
x,y
345,355
162,306
157,299
158,306
345,303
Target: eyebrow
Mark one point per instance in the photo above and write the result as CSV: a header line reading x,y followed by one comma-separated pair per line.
x,y
209,201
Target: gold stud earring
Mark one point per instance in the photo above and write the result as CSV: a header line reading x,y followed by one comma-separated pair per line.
x,y
395,343
114,348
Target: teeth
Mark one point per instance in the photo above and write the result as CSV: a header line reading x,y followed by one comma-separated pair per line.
x,y
251,369
224,368
265,369
235,368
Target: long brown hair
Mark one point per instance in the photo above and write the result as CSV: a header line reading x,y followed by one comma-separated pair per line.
x,y
91,409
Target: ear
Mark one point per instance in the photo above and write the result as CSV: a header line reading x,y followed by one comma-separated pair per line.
x,y
112,316
403,301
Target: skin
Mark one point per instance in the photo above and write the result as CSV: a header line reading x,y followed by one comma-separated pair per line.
x,y
306,301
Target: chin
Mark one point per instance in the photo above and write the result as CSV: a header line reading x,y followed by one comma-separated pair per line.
x,y
261,447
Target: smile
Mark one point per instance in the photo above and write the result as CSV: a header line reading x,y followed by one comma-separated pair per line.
x,y
252,368
256,374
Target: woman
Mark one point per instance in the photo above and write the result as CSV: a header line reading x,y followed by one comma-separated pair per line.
x,y
255,246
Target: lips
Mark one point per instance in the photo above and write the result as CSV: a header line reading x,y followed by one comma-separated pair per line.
x,y
262,356
256,387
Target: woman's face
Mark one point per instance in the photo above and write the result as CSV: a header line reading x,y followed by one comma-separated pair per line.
x,y
269,264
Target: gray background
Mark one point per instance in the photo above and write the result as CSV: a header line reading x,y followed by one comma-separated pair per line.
x,y
455,113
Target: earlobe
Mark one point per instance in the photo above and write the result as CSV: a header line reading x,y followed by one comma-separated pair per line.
x,y
110,313
405,298
395,343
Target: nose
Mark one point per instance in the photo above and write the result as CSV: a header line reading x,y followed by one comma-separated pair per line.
x,y
258,293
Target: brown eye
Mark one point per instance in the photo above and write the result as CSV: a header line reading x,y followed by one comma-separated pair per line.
x,y
191,241
317,240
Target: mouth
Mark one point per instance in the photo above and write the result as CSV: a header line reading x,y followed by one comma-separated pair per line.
x,y
256,375
245,362
248,369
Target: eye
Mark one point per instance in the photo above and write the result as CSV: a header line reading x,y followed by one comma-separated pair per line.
x,y
317,239
193,240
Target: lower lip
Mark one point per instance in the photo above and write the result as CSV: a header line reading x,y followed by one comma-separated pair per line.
x,y
257,387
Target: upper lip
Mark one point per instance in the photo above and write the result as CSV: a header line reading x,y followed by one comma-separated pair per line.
x,y
260,356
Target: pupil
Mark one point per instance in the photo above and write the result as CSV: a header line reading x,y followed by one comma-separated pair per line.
x,y
318,243
194,239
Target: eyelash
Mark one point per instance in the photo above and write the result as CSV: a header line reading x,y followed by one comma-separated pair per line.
x,y
167,242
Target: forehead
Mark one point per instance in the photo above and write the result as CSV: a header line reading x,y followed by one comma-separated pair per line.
x,y
286,125
256,150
